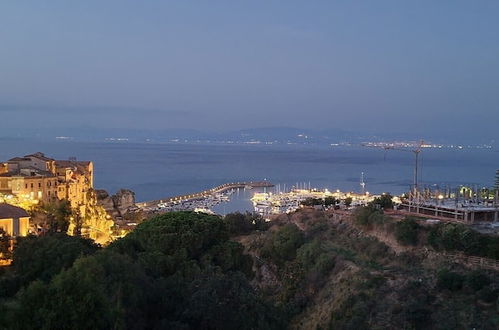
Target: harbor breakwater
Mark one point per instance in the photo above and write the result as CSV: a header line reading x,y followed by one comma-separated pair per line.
x,y
205,193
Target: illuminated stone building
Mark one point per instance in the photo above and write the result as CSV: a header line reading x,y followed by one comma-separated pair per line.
x,y
42,179
14,221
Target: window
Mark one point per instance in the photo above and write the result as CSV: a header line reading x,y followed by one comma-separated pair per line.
x,y
39,184
31,186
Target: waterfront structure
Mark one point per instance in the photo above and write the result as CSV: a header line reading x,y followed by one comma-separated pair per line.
x,y
14,221
465,204
285,202
42,179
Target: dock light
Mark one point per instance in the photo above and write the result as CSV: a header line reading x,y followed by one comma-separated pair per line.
x,y
440,196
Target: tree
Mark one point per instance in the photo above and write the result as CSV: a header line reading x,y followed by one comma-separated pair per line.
x,y
238,223
45,256
78,222
348,201
57,215
329,201
5,243
227,302
312,201
383,202
177,270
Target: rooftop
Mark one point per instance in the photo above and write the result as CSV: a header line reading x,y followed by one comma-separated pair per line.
x,y
8,211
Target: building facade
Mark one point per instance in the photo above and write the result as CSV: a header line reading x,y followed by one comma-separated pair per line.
x,y
42,179
14,221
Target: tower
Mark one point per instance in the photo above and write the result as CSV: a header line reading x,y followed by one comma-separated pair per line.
x,y
362,184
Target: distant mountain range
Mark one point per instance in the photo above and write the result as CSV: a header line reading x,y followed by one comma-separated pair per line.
x,y
265,134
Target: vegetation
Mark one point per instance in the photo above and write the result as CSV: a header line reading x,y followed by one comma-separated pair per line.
x,y
383,202
458,237
308,270
244,223
56,215
312,201
178,270
283,244
406,231
5,241
369,216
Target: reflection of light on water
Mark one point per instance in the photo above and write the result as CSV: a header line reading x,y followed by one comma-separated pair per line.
x,y
240,201
272,201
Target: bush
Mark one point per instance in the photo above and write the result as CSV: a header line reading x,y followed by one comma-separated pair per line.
x,y
406,231
476,280
487,294
367,216
458,237
283,244
449,280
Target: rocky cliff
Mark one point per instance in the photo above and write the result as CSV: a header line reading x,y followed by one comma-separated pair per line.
x,y
117,205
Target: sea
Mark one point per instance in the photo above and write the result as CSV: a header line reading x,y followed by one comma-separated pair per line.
x,y
159,170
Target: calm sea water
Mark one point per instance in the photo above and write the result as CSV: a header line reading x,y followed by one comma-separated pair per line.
x,y
156,171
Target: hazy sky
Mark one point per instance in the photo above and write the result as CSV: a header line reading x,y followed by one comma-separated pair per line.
x,y
431,66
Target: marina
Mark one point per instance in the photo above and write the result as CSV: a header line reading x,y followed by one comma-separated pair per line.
x,y
286,202
202,201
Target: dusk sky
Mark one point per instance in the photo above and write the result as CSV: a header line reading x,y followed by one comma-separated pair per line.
x,y
431,67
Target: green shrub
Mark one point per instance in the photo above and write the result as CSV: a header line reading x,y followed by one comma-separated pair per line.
x,y
477,279
367,216
324,263
406,231
487,294
459,237
449,280
283,244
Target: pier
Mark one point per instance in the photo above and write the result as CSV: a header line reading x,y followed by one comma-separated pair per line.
x,y
205,193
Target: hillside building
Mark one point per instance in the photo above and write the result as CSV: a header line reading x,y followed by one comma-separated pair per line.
x,y
44,180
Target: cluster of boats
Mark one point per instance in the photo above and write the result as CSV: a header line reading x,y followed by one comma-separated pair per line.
x,y
286,202
200,204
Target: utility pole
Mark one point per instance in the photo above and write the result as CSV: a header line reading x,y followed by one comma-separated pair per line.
x,y
416,152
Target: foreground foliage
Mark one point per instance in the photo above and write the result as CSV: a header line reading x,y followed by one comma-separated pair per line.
x,y
178,270
308,270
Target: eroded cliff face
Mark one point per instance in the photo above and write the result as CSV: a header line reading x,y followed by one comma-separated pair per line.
x,y
118,205
124,201
92,220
